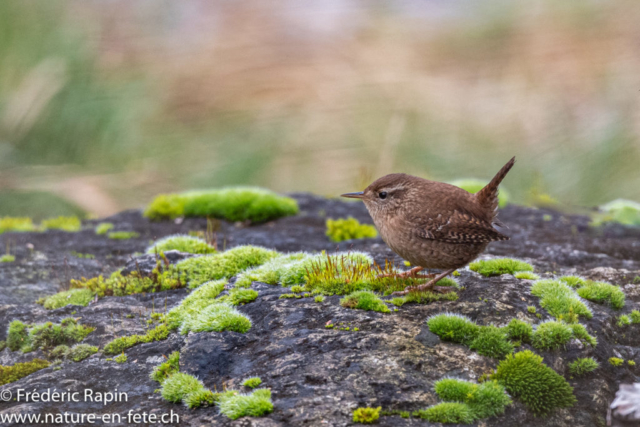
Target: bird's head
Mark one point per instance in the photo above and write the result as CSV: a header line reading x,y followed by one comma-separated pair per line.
x,y
386,195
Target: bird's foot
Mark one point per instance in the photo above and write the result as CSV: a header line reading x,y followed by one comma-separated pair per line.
x,y
413,273
429,286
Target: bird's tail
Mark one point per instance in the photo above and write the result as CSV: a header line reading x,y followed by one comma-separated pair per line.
x,y
488,196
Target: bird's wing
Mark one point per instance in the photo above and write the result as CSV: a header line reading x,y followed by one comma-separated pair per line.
x,y
458,226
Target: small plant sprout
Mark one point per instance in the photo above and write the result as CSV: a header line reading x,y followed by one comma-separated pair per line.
x,y
531,309
122,358
615,361
339,230
499,266
583,366
366,415
252,382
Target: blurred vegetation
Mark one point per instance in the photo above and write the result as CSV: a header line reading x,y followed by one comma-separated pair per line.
x,y
126,100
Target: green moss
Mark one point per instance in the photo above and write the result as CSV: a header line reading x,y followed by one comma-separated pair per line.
x,y
241,296
256,404
179,385
319,298
80,352
475,185
615,361
80,297
118,285
182,243
519,330
339,230
498,266
196,301
553,335
536,385
528,275
252,382
366,415
17,335
297,288
81,255
223,265
22,224
232,204
166,369
453,327
485,400
9,374
573,281
622,211
623,321
122,235
364,300
66,223
7,258
118,345
59,352
447,413
218,318
198,398
635,316
559,299
582,366
3,345
491,342
103,228
122,358
531,309
287,270
601,292
48,335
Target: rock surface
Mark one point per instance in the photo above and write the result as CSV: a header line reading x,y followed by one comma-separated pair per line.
x,y
317,375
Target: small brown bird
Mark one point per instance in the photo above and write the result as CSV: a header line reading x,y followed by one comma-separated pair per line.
x,y
433,224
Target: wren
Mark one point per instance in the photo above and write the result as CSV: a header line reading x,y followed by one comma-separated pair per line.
x,y
433,224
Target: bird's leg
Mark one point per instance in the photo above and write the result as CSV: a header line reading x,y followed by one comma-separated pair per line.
x,y
430,285
406,274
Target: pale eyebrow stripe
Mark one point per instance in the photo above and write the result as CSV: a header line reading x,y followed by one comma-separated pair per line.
x,y
398,187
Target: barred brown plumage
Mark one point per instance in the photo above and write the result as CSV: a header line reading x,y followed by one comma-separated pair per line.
x,y
433,224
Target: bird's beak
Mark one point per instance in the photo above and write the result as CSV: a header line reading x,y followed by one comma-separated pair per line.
x,y
358,195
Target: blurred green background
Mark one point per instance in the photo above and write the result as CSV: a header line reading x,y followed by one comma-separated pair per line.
x,y
104,104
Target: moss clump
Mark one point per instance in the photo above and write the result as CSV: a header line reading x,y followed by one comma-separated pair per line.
x,y
9,374
256,404
198,398
17,335
223,265
287,270
182,243
519,330
491,342
80,297
582,366
339,230
424,297
527,275
539,387
319,298
453,327
552,335
118,345
475,185
166,369
240,296
103,228
573,281
179,385
122,235
218,318
622,211
635,316
232,204
23,224
559,299
499,266
366,415
59,352
195,302
447,413
623,321
66,223
48,335
615,361
122,358
252,382
601,292
80,352
484,400
531,309
364,300
7,258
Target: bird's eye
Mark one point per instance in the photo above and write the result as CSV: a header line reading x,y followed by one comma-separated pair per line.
x,y
382,194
